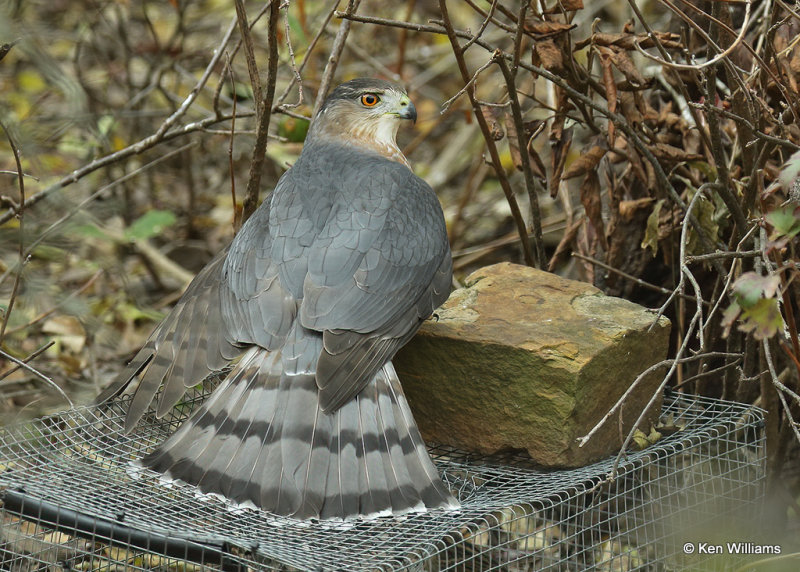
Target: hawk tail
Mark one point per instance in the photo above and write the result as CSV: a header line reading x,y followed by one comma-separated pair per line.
x,y
262,438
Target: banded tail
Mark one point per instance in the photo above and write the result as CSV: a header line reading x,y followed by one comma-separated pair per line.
x,y
263,437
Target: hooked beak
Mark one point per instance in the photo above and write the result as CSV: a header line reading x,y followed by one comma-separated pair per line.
x,y
408,111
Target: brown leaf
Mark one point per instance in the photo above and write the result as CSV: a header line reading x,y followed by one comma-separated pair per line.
x,y
565,244
532,129
667,152
593,204
562,108
586,162
547,55
624,63
629,108
636,163
627,209
537,165
513,142
564,6
494,118
559,158
625,41
611,87
543,30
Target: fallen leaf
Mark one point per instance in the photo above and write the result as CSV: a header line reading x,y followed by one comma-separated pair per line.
x,y
565,244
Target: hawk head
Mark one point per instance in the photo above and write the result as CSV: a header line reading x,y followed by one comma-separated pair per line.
x,y
365,113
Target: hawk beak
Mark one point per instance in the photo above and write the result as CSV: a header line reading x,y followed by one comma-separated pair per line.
x,y
408,111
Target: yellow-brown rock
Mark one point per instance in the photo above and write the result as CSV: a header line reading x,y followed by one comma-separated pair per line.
x,y
522,359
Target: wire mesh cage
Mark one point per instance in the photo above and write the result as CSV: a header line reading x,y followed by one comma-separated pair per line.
x,y
73,500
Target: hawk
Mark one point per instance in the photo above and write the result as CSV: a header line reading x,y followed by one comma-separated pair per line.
x,y
324,283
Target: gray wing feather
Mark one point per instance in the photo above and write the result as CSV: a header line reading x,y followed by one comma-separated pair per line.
x,y
236,300
164,360
372,272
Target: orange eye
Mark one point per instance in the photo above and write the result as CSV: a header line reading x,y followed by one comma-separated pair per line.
x,y
369,100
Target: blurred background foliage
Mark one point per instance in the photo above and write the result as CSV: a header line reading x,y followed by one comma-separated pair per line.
x,y
550,138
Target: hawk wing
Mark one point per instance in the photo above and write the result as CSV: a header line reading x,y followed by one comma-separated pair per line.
x,y
367,253
235,301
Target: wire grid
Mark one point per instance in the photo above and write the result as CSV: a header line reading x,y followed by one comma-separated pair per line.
x,y
72,500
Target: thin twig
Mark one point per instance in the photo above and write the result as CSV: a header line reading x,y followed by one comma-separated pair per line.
x,y
249,53
164,133
28,359
264,106
490,143
38,374
516,113
630,277
50,312
336,53
309,50
20,213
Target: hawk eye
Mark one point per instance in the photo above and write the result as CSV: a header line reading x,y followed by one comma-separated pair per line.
x,y
369,100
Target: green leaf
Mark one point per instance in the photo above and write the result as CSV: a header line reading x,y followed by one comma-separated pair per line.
x,y
297,29
90,231
150,224
651,233
293,129
790,172
105,124
729,317
763,319
785,222
750,288
704,212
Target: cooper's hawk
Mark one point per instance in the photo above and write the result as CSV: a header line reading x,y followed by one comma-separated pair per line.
x,y
333,273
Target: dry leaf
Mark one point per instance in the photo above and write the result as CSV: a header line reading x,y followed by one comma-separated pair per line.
x,y
586,162
535,162
625,41
627,209
547,55
560,6
559,158
565,244
547,29
494,118
624,63
593,205
611,87
537,165
636,163
667,152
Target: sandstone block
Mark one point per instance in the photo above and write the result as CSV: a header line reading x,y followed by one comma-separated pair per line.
x,y
524,359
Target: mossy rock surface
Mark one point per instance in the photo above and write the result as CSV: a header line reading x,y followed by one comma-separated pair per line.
x,y
523,359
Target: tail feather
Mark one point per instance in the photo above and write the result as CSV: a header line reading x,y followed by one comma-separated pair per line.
x,y
263,437
373,486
